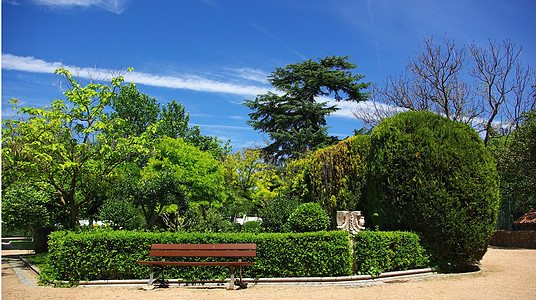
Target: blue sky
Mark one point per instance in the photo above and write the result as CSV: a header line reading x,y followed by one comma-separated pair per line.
x,y
211,55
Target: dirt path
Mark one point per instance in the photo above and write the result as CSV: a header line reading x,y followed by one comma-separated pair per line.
x,y
506,274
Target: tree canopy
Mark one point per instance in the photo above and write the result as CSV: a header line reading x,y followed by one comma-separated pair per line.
x,y
294,116
68,149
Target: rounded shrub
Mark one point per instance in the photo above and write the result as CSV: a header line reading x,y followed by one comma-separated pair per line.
x,y
276,213
308,217
251,226
434,176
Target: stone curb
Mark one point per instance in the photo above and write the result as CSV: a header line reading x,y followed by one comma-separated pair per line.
x,y
340,280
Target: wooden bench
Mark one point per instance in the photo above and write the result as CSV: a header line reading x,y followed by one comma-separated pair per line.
x,y
202,250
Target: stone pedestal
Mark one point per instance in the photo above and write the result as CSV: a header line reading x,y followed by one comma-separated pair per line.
x,y
350,221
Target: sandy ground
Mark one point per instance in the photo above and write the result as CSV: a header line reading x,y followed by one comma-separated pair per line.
x,y
505,274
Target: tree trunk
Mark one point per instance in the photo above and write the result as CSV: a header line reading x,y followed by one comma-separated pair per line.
x,y
73,214
40,238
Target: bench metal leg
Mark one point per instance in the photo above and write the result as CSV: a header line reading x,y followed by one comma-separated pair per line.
x,y
231,284
242,284
163,282
151,278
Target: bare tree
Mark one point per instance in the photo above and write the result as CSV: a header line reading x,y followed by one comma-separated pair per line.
x,y
502,81
437,79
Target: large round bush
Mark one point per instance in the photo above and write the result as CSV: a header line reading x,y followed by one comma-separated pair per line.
x,y
308,217
434,176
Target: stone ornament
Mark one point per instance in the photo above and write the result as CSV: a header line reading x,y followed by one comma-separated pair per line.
x,y
350,221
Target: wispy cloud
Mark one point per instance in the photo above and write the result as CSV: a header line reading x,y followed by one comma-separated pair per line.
x,y
250,74
114,6
187,82
28,64
277,39
222,127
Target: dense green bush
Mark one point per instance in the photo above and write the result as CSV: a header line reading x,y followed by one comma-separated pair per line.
x,y
308,217
337,175
119,213
251,226
434,176
382,251
276,213
110,254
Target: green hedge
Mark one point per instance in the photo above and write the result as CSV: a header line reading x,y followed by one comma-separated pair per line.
x,y
382,251
97,255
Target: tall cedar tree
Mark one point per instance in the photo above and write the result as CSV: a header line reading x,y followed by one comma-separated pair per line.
x,y
293,117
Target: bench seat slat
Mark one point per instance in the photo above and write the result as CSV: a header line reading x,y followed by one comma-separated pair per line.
x,y
196,263
204,247
203,253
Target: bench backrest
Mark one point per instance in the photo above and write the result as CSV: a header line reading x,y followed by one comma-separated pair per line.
x,y
204,250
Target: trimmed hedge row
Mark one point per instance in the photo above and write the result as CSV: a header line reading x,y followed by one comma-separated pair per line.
x,y
97,255
105,255
382,251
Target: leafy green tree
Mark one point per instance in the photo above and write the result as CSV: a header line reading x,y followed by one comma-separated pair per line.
x,y
276,212
121,213
156,190
516,163
199,174
135,108
26,207
140,111
69,149
293,117
174,123
250,182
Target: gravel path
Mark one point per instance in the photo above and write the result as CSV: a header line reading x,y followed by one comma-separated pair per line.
x,y
505,274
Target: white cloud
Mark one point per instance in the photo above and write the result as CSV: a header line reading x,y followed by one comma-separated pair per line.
x,y
194,83
114,6
222,127
28,64
251,74
187,82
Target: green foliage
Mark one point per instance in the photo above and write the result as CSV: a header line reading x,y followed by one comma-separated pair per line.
x,y
308,217
434,176
199,174
26,207
174,124
251,226
250,183
138,110
516,163
276,213
120,213
376,252
337,175
98,255
154,192
208,220
69,148
295,121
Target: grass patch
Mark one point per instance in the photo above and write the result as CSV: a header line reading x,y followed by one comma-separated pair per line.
x,y
38,260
